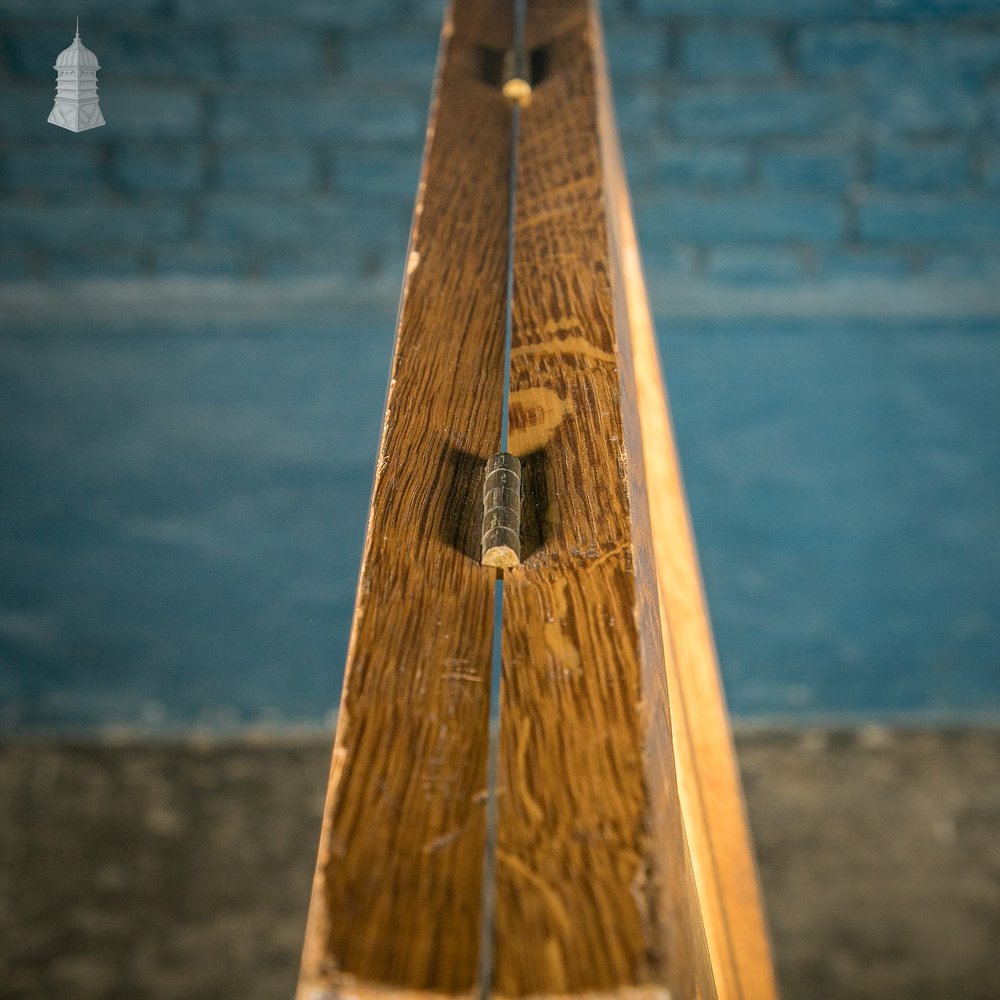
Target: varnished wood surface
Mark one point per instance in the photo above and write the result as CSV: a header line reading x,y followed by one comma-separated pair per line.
x,y
708,782
594,891
396,900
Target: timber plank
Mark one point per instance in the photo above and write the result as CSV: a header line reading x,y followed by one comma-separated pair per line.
x,y
594,889
396,900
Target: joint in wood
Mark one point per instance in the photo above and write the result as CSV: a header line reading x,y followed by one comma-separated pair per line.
x,y
502,511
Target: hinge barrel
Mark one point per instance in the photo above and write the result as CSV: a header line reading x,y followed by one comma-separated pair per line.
x,y
517,76
502,511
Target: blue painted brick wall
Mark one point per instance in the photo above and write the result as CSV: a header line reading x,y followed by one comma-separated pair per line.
x,y
141,167
718,53
902,166
810,123
258,166
817,189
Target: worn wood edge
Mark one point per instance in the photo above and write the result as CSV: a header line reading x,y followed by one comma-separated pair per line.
x,y
312,973
708,781
661,755
713,807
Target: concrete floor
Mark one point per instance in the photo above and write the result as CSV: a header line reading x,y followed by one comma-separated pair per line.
x,y
181,870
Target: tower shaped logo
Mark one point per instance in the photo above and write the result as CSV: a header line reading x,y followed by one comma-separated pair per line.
x,y
76,106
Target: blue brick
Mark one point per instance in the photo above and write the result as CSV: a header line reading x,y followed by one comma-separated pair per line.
x,y
23,114
819,169
305,261
135,112
385,171
637,163
924,100
910,166
201,260
394,57
926,83
970,54
991,168
929,218
763,9
31,52
314,221
345,115
882,54
739,218
332,13
663,260
735,113
68,263
277,53
636,52
839,49
15,264
139,167
930,8
853,264
958,266
92,221
755,266
68,10
614,12
268,168
160,50
52,166
718,53
695,166
429,12
637,110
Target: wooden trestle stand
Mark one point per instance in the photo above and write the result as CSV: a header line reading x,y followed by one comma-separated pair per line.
x,y
623,865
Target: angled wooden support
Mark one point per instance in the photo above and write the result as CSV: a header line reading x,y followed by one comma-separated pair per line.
x,y
622,859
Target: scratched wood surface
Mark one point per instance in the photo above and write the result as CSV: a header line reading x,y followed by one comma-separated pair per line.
x,y
711,797
595,893
396,900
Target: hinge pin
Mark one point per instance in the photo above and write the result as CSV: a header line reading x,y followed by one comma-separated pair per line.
x,y
517,76
502,511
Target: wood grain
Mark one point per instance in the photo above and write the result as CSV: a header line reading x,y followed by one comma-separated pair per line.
x,y
396,900
594,889
711,798
607,651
